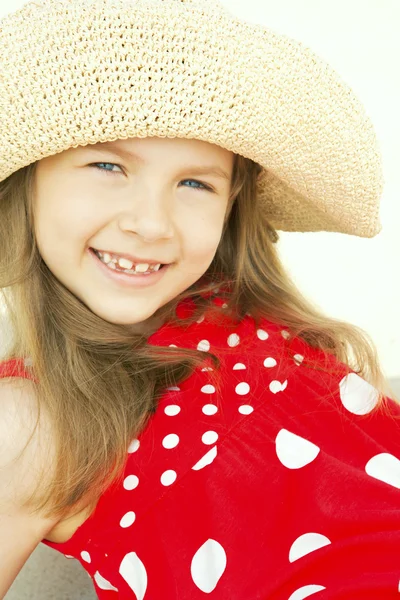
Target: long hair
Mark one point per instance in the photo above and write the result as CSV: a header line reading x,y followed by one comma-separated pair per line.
x,y
98,383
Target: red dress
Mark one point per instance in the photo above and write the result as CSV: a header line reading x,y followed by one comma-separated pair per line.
x,y
261,491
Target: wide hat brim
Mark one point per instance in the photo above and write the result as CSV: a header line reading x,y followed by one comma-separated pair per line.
x,y
78,72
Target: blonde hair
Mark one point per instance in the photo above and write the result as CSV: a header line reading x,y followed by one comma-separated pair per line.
x,y
98,383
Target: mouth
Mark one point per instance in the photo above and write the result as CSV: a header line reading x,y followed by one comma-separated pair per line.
x,y
117,265
128,278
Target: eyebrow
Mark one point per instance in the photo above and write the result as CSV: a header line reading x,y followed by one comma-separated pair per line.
x,y
129,155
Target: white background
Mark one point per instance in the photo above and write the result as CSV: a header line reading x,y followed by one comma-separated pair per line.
x,y
349,278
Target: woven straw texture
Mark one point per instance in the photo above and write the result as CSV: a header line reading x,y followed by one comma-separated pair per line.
x,y
77,72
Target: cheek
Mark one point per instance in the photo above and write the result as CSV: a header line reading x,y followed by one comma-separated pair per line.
x,y
63,217
202,237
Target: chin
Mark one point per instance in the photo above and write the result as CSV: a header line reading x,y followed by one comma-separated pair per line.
x,y
120,319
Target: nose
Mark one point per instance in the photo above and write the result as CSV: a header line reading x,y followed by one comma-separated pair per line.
x,y
149,217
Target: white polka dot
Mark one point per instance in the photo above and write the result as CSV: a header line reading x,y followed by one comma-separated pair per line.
x,y
399,586
168,477
224,305
203,346
270,362
131,482
245,409
208,369
233,340
242,388
262,335
239,367
209,409
103,583
86,556
68,556
128,519
306,591
173,346
209,437
208,566
357,395
205,460
201,319
172,410
277,386
170,441
174,388
208,389
386,468
133,446
133,571
298,359
309,542
285,334
293,451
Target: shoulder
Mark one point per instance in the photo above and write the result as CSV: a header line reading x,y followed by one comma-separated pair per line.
x,y
25,442
304,389
314,405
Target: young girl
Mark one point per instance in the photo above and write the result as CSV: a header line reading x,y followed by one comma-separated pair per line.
x,y
173,413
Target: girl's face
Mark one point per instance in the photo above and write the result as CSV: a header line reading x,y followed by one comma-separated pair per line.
x,y
153,205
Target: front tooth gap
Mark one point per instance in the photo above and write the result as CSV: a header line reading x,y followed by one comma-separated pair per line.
x,y
126,264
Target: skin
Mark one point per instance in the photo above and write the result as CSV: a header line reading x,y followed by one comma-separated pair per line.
x,y
150,209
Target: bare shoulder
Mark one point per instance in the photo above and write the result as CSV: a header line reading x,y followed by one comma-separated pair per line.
x,y
25,442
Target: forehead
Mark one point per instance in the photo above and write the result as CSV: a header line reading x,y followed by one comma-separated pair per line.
x,y
152,145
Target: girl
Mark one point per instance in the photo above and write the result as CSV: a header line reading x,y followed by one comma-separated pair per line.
x,y
174,414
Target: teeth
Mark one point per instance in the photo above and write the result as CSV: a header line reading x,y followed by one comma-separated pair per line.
x,y
126,264
141,268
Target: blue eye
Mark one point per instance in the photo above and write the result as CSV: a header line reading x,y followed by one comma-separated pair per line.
x,y
203,185
109,172
95,165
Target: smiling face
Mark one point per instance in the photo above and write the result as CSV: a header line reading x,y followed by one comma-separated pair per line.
x,y
153,205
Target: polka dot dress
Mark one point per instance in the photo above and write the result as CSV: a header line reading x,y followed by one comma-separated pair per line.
x,y
282,484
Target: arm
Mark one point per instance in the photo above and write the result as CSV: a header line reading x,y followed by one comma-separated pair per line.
x,y
20,530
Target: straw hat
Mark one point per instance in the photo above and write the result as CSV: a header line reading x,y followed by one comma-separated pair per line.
x,y
77,72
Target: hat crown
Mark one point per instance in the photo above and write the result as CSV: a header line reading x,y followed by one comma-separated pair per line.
x,y
208,4
31,8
